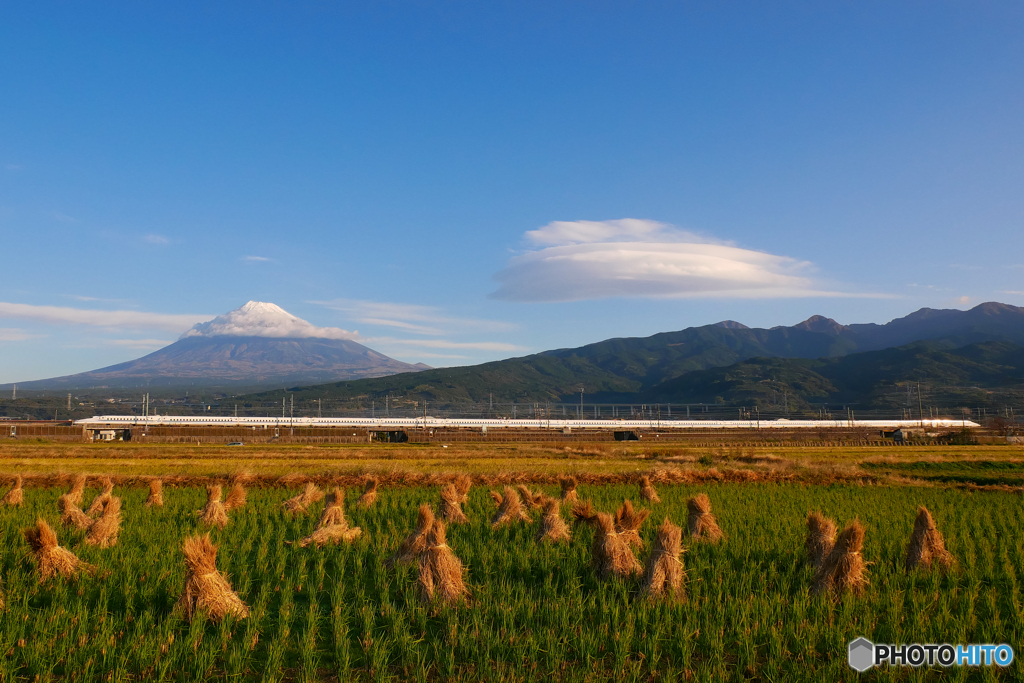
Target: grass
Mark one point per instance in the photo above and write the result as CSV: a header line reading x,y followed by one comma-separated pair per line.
x,y
536,613
980,472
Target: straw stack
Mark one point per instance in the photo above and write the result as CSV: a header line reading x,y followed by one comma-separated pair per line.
x,y
665,572
510,508
701,523
553,528
16,496
207,591
156,494
213,513
843,569
821,537
927,548
51,558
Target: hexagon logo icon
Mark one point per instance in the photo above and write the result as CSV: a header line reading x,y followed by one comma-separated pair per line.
x,y
861,654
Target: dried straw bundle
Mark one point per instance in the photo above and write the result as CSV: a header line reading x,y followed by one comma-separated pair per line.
x,y
451,505
369,493
583,512
510,508
569,494
332,527
334,510
628,523
843,569
332,533
104,531
821,537
52,558
552,527
665,572
298,504
213,513
701,523
612,556
927,547
71,514
74,494
16,496
416,542
533,500
647,491
462,484
236,497
440,570
99,501
156,494
206,589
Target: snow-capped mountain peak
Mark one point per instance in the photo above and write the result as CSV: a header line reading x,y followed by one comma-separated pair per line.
x,y
262,319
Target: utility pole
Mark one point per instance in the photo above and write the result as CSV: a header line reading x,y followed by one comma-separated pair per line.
x,y
282,407
69,403
14,394
581,403
920,409
319,407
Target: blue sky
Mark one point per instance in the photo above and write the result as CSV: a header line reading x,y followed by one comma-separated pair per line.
x,y
464,181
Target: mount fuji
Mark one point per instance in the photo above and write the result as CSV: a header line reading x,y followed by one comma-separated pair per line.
x,y
259,344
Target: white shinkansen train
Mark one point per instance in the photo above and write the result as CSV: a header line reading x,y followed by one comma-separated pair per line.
x,y
397,423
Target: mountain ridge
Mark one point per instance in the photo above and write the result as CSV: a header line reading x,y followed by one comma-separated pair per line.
x,y
627,368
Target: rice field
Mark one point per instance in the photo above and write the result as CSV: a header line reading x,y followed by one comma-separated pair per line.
x,y
536,612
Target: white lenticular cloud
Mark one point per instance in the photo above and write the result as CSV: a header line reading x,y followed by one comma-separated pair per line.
x,y
561,233
259,319
640,258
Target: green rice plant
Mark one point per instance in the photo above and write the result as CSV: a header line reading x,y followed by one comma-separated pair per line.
x,y
536,611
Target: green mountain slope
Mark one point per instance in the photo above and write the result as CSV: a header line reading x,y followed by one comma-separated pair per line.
x,y
661,367
985,374
612,370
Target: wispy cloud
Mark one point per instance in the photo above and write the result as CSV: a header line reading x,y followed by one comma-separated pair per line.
x,y
158,240
444,344
140,343
61,315
80,297
1014,292
255,259
412,317
16,334
13,167
579,260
